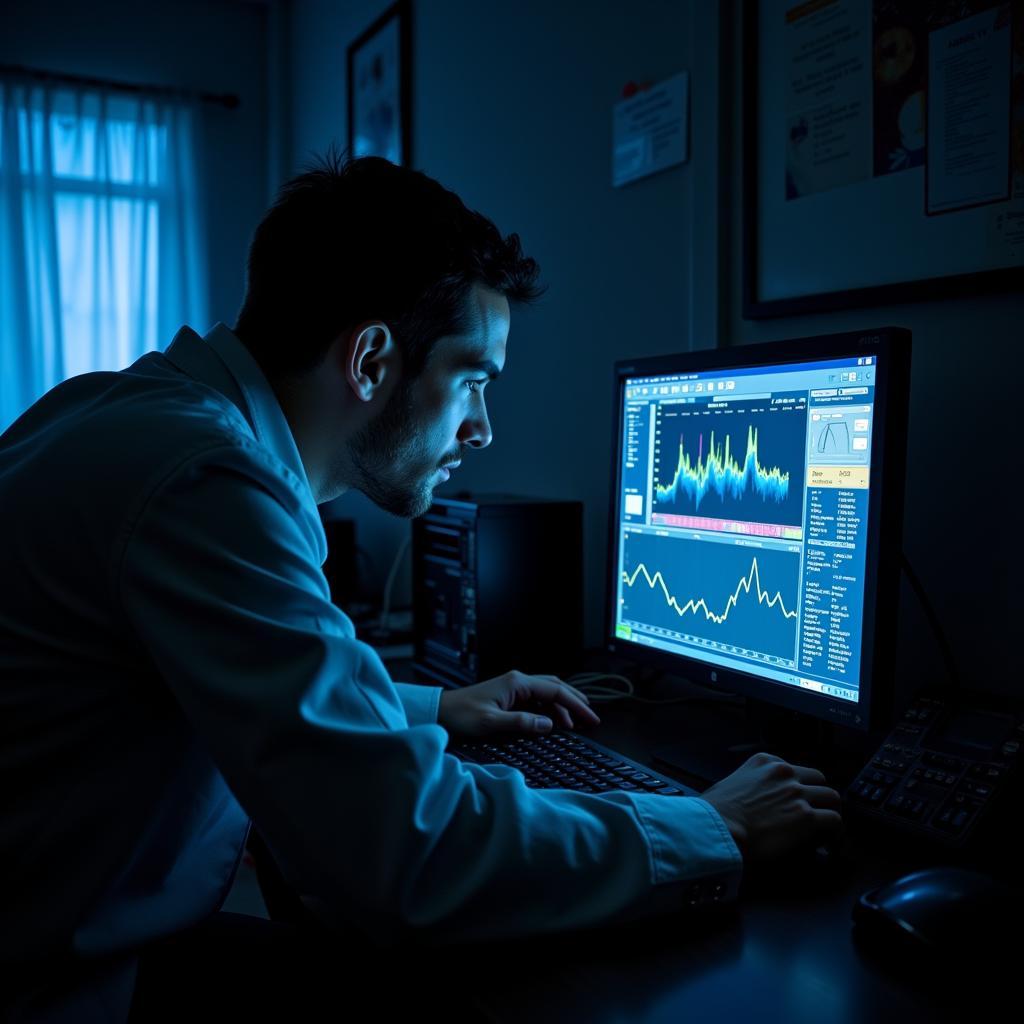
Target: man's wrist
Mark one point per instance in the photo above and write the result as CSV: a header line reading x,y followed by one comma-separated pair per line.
x,y
736,829
445,707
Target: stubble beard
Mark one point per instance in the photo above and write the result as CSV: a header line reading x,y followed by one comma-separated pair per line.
x,y
388,458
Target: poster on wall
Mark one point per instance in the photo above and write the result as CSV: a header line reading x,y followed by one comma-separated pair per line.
x,y
884,151
828,97
379,93
650,132
969,73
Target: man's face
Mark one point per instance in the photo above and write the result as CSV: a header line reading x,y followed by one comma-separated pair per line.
x,y
428,422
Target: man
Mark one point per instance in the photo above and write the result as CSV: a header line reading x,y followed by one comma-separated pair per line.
x,y
171,665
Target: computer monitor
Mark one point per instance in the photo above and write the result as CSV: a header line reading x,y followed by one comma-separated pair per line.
x,y
756,519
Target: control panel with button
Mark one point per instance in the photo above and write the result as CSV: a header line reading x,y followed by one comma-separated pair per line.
x,y
940,770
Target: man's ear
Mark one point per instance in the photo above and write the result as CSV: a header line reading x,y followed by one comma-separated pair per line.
x,y
371,358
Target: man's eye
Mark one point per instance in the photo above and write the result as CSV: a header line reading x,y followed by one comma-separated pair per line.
x,y
475,385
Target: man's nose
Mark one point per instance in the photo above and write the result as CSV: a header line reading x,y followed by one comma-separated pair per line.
x,y
476,430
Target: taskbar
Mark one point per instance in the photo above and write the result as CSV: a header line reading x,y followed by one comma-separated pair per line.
x,y
755,663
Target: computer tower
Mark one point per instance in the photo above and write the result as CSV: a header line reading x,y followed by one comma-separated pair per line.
x,y
497,585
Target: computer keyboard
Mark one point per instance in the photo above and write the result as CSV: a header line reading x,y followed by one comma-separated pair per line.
x,y
566,760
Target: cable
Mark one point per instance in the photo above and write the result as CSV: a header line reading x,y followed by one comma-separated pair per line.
x,y
587,683
933,621
369,569
383,627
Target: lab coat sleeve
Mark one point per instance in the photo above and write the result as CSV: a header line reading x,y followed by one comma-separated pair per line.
x,y
346,776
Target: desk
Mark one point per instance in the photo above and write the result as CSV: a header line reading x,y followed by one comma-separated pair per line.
x,y
784,953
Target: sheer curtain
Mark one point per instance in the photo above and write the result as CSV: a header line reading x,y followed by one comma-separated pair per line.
x,y
102,246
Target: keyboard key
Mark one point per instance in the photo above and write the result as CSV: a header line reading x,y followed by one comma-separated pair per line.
x,y
568,761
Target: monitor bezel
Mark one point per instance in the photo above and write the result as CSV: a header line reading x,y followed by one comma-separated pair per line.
x,y
892,347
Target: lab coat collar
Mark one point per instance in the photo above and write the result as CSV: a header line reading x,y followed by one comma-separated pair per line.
x,y
221,361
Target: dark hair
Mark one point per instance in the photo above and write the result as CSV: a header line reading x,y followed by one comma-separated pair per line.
x,y
353,240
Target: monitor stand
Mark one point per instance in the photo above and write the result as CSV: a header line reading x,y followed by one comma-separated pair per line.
x,y
714,744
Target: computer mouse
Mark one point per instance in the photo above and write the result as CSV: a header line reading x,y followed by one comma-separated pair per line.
x,y
943,912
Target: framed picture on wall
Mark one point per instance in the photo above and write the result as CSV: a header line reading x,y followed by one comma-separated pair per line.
x,y
379,89
883,151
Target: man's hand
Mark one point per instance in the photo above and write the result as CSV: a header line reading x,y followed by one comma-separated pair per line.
x,y
772,807
499,705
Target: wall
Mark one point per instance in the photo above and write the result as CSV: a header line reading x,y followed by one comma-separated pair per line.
x,y
512,110
209,46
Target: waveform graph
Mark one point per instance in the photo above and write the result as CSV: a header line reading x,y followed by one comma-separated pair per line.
x,y
745,466
722,593
831,439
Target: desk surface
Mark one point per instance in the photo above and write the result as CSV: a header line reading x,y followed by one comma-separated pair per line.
x,y
786,952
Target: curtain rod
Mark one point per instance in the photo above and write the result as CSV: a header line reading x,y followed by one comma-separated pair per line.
x,y
228,100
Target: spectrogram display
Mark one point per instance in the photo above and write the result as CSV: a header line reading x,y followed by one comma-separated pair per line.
x,y
750,466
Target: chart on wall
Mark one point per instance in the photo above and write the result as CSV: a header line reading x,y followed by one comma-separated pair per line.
x,y
890,142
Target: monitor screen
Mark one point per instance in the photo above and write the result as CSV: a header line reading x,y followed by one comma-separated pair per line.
x,y
756,511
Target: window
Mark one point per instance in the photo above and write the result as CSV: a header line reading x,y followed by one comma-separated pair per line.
x,y
101,245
